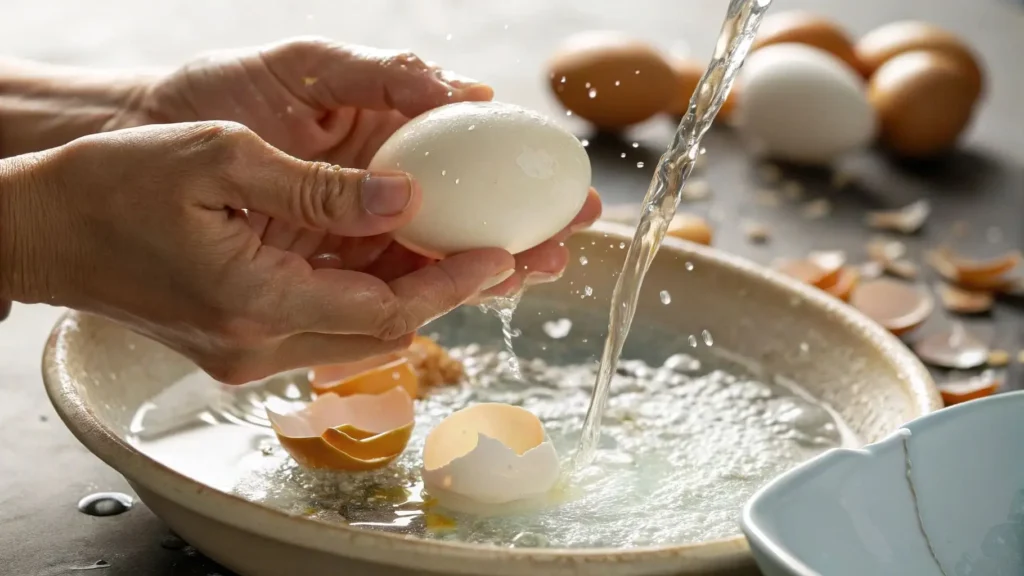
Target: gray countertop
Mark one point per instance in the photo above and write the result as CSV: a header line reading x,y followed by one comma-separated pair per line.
x,y
43,469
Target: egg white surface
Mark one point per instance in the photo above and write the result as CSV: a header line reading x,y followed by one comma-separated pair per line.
x,y
493,175
803,105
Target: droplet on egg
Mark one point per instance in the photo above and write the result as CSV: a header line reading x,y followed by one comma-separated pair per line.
x,y
489,454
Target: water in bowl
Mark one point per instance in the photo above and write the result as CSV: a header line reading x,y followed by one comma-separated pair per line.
x,y
689,435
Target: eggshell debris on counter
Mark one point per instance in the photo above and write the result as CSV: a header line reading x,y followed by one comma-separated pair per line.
x,y
357,432
493,175
489,453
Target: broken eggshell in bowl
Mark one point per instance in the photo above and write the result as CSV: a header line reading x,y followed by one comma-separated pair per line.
x,y
357,432
489,454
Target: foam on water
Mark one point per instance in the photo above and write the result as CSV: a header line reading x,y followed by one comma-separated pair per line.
x,y
685,444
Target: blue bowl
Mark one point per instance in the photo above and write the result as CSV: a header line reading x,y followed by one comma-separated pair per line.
x,y
943,496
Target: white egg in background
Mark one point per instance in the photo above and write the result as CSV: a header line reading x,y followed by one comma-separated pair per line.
x,y
803,105
493,175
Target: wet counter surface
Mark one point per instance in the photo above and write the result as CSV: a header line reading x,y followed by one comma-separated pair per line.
x,y
44,471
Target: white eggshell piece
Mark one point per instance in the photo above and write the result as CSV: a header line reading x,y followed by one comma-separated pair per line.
x,y
493,175
803,105
493,473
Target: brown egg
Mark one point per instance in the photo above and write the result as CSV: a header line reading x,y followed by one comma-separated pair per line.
x,y
688,74
882,44
611,80
690,227
924,101
805,28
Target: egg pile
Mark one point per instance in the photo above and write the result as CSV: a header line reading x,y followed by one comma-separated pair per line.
x,y
808,93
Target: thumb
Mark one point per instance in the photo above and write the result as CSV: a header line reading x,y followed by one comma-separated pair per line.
x,y
319,196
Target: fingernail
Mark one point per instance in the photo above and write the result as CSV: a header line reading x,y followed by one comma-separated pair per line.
x,y
455,79
534,278
497,279
386,195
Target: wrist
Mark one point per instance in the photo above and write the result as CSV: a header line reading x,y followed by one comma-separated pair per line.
x,y
22,277
44,106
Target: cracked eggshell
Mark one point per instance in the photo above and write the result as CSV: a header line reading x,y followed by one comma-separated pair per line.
x,y
490,453
492,175
389,372
803,105
357,432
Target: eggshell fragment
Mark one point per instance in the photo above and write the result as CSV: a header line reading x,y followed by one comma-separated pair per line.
x,y
610,79
358,432
431,365
898,306
803,270
832,262
886,42
688,74
907,220
485,170
802,105
964,301
690,227
845,282
489,453
988,274
924,103
396,372
954,347
806,28
980,386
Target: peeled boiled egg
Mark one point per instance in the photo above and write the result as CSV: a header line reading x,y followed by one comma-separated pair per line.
x,y
611,79
357,432
492,175
803,105
489,454
806,28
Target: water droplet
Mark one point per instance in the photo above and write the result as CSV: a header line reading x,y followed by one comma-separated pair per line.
x,y
638,72
707,338
617,83
448,37
472,127
105,504
636,144
587,85
562,81
449,93
456,180
97,565
666,298
805,347
639,164
583,260
592,93
427,153
692,340
622,245
506,26
689,265
623,155
557,328
588,291
585,142
444,172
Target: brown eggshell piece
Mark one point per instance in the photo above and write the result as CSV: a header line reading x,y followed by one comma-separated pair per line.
x,y
831,262
924,102
985,274
688,74
896,305
690,227
803,270
964,301
886,42
980,386
805,28
845,282
376,380
610,79
954,347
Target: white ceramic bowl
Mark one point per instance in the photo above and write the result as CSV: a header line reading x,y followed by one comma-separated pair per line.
x,y
98,374
943,496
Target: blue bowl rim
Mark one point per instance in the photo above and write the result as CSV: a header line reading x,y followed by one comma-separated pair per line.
x,y
760,539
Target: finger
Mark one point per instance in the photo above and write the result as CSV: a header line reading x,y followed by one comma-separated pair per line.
x,y
332,301
329,75
318,196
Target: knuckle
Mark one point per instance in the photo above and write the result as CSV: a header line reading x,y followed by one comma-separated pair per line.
x,y
407,60
326,194
393,320
222,136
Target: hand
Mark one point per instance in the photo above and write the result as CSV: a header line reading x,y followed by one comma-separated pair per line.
x,y
147,226
320,100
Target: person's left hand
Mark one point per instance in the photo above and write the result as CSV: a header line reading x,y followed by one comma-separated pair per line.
x,y
320,100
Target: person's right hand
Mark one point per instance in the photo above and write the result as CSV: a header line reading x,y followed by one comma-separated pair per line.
x,y
146,226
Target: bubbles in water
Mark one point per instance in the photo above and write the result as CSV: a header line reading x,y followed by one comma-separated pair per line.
x,y
639,164
623,155
588,291
592,93
689,265
692,341
444,172
666,298
636,144
583,260
106,504
585,142
622,245
557,329
707,338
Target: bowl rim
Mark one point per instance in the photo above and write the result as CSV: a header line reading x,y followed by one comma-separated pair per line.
x,y
749,519
325,537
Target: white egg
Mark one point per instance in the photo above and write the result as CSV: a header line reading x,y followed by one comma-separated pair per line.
x,y
493,175
489,454
803,105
